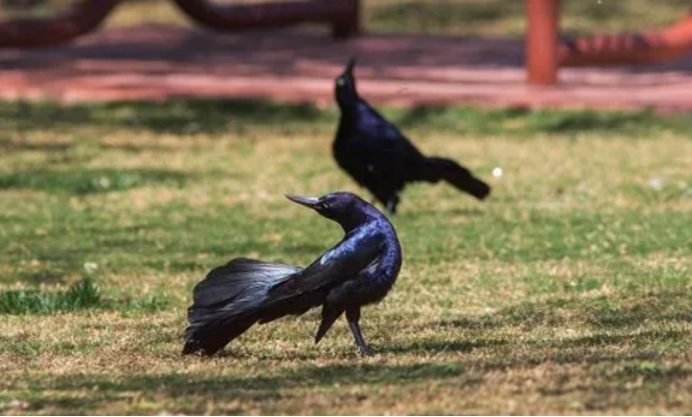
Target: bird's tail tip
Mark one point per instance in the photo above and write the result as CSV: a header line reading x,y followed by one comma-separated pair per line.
x,y
481,191
190,348
460,177
194,345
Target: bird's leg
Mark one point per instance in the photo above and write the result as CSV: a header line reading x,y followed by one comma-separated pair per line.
x,y
353,318
391,204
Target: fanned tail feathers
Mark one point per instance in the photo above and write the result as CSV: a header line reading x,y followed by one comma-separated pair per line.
x,y
230,300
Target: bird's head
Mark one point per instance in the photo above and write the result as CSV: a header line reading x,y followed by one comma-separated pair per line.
x,y
345,208
345,85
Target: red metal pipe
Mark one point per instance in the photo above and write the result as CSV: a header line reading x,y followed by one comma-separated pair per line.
x,y
630,48
542,41
342,14
80,19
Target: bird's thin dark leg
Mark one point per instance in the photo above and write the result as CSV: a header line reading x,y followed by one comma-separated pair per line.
x,y
391,204
353,317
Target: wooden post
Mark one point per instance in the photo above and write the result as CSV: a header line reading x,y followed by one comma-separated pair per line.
x,y
542,41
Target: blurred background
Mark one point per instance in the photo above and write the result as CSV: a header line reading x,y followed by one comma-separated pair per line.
x,y
458,17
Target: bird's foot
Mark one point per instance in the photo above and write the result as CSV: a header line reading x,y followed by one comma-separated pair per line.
x,y
366,350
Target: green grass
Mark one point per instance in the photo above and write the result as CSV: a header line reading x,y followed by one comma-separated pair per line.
x,y
82,294
83,181
568,291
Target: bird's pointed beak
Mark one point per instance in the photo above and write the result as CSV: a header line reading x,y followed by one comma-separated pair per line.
x,y
351,64
305,201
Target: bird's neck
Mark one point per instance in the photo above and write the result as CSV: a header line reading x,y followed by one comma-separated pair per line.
x,y
356,220
392,256
348,104
348,113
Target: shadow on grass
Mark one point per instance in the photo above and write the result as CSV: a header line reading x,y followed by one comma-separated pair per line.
x,y
176,116
7,145
81,181
248,116
441,346
604,339
265,386
614,357
640,325
598,312
526,121
430,211
598,121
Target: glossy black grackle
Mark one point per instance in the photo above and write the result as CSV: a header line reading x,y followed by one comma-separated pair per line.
x,y
380,158
359,270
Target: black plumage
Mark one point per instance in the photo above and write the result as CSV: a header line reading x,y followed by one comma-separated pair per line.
x,y
380,158
359,270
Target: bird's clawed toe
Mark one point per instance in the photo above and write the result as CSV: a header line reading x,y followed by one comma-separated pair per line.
x,y
366,351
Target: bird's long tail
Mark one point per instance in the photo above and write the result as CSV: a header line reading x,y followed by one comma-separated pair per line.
x,y
437,169
230,300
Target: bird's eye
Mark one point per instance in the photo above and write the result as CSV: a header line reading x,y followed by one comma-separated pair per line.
x,y
323,206
340,81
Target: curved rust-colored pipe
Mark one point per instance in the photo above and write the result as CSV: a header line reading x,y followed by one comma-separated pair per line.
x,y
342,14
629,48
79,20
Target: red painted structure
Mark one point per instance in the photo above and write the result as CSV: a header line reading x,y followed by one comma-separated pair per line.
x,y
542,41
545,53
341,14
87,15
81,19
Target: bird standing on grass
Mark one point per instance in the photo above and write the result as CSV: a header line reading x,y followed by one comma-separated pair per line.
x,y
380,158
359,270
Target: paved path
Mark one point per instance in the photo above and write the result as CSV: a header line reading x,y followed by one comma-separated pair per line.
x,y
156,63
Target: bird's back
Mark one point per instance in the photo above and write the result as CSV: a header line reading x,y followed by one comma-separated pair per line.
x,y
373,151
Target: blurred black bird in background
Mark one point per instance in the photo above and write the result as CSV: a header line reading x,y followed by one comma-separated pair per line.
x,y
359,270
380,158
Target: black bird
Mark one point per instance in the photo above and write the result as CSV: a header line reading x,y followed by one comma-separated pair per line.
x,y
380,158
359,270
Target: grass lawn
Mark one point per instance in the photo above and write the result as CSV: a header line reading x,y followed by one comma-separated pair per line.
x,y
568,291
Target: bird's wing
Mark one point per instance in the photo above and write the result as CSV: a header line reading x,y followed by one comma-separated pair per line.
x,y
352,255
379,136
